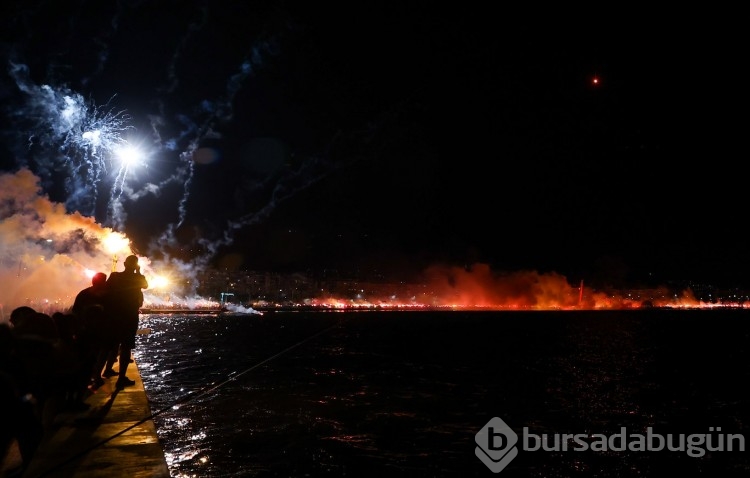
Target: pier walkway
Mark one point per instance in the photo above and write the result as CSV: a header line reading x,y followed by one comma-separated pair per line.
x,y
114,437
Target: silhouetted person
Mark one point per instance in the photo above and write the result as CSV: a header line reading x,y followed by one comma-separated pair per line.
x,y
19,419
93,295
110,360
96,334
124,300
20,313
73,363
37,346
28,322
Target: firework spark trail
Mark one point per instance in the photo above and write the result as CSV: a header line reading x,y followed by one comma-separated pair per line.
x,y
77,141
71,139
88,135
183,46
67,134
101,42
309,173
218,110
104,133
115,211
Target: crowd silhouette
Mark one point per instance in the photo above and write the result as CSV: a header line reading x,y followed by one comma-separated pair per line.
x,y
51,364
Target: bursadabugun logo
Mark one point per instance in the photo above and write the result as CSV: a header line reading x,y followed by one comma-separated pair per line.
x,y
496,444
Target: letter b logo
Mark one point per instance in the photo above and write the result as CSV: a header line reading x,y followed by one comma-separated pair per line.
x,y
497,445
498,441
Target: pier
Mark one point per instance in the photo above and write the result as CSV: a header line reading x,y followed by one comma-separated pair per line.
x,y
114,437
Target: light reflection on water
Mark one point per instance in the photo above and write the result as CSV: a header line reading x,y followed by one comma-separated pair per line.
x,y
404,393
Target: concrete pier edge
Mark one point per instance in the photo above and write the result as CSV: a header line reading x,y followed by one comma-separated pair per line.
x,y
114,437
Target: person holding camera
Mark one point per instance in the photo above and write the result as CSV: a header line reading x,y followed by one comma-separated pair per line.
x,y
124,301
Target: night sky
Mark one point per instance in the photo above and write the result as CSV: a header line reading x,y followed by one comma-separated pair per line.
x,y
369,138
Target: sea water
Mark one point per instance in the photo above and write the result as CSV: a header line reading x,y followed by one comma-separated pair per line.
x,y
386,393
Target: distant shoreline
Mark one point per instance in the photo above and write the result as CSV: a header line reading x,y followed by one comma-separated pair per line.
x,y
182,311
310,308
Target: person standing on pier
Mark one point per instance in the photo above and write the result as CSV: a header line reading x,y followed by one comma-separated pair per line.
x,y
125,298
98,334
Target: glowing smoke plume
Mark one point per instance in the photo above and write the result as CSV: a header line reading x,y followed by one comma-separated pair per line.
x,y
47,251
49,255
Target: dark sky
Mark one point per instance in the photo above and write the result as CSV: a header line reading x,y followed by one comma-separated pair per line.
x,y
366,137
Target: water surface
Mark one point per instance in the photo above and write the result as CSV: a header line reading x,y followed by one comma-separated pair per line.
x,y
404,393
